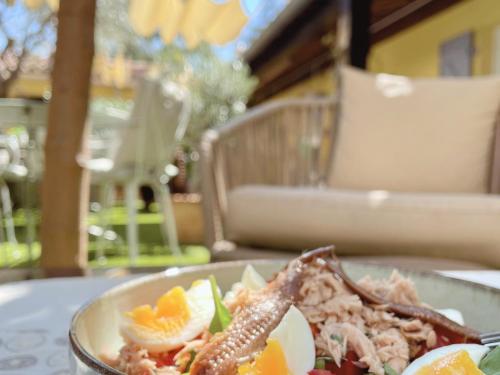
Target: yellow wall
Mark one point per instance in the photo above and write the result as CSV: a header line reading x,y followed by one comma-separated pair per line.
x,y
320,84
415,51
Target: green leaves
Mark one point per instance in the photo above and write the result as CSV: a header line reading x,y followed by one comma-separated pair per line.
x,y
222,316
320,362
490,364
192,353
388,370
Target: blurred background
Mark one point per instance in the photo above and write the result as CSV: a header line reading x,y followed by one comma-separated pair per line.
x,y
109,111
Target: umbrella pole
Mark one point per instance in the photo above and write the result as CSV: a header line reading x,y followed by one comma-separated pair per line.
x,y
65,189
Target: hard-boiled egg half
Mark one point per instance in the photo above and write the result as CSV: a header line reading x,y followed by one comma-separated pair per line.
x,y
289,349
250,279
178,316
448,360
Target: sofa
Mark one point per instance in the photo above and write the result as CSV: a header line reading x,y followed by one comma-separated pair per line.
x,y
391,166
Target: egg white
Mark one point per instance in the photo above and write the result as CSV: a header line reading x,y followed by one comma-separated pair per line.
x,y
452,314
201,307
475,351
296,340
250,279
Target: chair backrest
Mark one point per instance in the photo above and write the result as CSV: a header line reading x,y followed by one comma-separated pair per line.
x,y
9,152
157,125
107,126
417,135
32,116
23,112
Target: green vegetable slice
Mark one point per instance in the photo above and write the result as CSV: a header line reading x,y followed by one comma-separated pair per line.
x,y
490,364
320,362
192,354
222,316
388,370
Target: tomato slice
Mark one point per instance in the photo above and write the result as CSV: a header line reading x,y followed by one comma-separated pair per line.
x,y
166,358
444,338
320,372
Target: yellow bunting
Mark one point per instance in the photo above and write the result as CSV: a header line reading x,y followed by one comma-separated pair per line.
x,y
227,24
143,16
34,4
53,4
170,14
195,20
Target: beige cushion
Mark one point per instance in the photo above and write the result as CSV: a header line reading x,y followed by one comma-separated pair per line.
x,y
421,135
458,226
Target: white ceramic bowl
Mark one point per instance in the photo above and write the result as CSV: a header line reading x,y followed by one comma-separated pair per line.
x,y
95,327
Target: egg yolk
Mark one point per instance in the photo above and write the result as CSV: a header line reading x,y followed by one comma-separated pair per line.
x,y
170,315
271,361
452,364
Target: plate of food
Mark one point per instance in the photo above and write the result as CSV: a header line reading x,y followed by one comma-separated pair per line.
x,y
303,317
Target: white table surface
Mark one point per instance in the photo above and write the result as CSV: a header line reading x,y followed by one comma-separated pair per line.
x,y
35,316
34,320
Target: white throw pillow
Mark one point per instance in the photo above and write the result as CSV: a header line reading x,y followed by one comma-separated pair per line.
x,y
415,135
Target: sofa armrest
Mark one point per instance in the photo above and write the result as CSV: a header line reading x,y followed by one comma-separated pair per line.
x,y
286,143
495,162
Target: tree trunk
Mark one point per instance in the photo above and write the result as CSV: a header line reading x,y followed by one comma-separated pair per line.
x,y
65,190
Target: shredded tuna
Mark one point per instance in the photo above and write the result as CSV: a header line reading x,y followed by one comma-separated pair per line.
x,y
185,356
345,323
134,360
392,348
362,346
331,342
396,289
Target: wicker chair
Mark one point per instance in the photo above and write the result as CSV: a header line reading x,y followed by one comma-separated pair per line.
x,y
279,157
283,143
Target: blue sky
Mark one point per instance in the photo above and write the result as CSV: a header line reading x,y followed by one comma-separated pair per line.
x,y
260,13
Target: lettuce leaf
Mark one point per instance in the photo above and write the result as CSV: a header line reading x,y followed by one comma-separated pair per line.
x,y
490,364
222,316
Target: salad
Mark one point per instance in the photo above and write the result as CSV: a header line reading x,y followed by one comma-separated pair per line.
x,y
310,319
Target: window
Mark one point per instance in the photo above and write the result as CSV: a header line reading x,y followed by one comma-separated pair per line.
x,y
455,56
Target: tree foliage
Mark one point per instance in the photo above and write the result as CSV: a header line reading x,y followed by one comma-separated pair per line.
x,y
115,35
22,33
219,89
